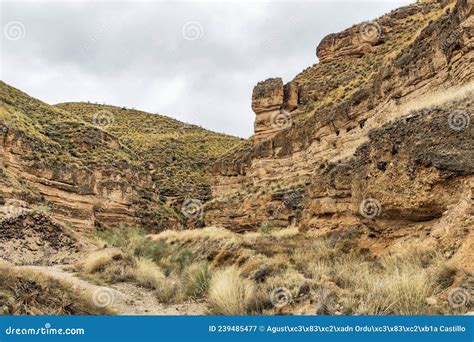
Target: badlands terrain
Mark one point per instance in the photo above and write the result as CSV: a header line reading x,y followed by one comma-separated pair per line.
x,y
354,196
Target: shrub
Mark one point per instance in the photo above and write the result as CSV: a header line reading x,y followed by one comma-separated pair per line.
x,y
170,290
152,250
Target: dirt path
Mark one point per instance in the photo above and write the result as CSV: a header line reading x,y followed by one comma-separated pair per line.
x,y
123,298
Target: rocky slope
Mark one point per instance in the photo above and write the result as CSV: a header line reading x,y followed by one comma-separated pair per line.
x,y
70,164
174,153
381,124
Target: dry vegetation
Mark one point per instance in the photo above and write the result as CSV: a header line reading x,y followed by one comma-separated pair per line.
x,y
176,153
446,98
324,275
29,293
158,266
236,274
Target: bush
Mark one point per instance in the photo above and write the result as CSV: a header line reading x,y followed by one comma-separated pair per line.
x,y
152,250
170,290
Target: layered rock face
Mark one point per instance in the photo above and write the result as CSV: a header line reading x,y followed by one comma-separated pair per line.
x,y
81,197
366,134
354,42
273,103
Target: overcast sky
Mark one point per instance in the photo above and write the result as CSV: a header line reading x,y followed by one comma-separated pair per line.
x,y
196,62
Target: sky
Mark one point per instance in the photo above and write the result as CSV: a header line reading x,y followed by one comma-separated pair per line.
x,y
194,61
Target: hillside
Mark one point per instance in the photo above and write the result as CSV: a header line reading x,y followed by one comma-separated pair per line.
x,y
90,177
177,155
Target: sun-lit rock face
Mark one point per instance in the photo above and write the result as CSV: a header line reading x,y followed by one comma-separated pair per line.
x,y
267,102
267,95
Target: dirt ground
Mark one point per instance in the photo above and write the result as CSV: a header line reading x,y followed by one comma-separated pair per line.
x,y
122,298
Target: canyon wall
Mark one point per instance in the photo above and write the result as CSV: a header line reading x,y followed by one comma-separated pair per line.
x,y
320,152
80,197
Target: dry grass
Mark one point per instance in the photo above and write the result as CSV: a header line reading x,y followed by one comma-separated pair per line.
x,y
197,279
157,265
393,284
438,98
335,275
212,233
29,293
148,274
171,290
229,293
110,265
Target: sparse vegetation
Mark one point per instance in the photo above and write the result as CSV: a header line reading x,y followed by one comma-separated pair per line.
x,y
181,152
342,266
28,293
156,265
335,275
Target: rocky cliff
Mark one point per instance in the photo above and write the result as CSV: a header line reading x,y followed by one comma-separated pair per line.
x,y
376,135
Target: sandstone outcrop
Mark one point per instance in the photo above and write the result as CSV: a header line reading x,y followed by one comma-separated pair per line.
x,y
273,103
353,42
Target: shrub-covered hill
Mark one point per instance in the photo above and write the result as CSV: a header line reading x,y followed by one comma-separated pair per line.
x,y
175,153
100,165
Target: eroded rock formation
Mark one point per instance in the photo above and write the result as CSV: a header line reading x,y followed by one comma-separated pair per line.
x,y
273,103
365,126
